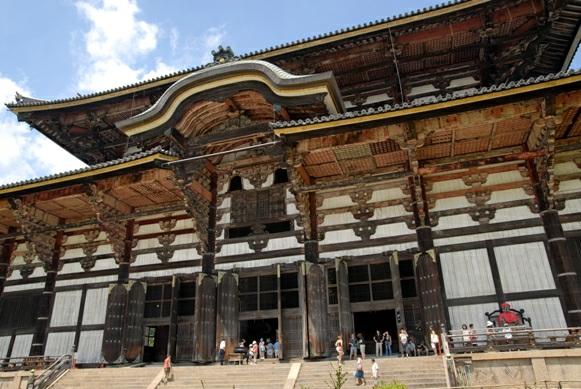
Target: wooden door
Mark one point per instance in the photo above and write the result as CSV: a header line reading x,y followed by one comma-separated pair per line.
x,y
185,341
114,323
133,338
427,277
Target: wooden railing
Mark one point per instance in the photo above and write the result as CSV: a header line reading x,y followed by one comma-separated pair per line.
x,y
512,339
26,363
52,372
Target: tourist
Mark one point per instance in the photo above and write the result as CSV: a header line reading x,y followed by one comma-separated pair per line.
x,y
387,341
361,344
276,347
434,342
403,340
465,335
269,349
378,339
507,331
222,351
339,348
254,351
246,354
410,347
352,347
262,348
473,336
359,374
374,371
166,368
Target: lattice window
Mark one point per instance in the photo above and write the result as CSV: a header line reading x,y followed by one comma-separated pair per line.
x,y
260,205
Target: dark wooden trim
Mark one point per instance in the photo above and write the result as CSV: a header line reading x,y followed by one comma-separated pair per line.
x,y
8,247
492,298
80,317
500,298
125,263
75,328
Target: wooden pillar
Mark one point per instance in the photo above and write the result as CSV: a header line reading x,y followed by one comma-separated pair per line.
x,y
396,287
205,319
125,258
279,332
227,311
428,275
346,326
567,279
8,247
47,298
173,318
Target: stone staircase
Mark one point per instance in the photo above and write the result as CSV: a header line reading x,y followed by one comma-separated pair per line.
x,y
108,378
416,372
264,375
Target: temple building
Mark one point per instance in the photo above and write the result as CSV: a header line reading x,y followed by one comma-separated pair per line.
x,y
415,171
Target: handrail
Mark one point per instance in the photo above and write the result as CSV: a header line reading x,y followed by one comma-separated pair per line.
x,y
525,385
52,372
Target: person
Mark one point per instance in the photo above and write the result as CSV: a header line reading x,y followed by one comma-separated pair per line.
x,y
465,335
352,347
473,336
246,354
262,347
276,347
361,344
410,347
359,374
166,368
422,349
222,351
339,348
387,341
374,371
378,339
507,331
434,342
269,349
254,351
403,340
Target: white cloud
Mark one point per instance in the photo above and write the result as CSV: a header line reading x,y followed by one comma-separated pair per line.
x,y
26,153
115,45
212,38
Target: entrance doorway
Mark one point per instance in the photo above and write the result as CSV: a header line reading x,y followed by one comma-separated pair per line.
x,y
256,329
366,323
155,347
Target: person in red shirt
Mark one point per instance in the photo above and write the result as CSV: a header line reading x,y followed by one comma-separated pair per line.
x,y
166,368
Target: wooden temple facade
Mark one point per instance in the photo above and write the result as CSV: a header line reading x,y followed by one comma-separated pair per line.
x,y
416,171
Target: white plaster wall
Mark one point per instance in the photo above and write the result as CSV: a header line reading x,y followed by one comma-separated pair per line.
x,y
451,203
455,221
524,267
89,349
21,347
512,214
503,196
470,314
336,202
59,343
467,274
95,306
389,212
338,219
4,343
545,313
65,310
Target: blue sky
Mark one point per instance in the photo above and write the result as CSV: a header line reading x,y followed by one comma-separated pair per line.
x,y
54,49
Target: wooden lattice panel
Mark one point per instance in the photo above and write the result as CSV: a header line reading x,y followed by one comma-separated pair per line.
x,y
387,146
465,38
512,125
352,152
354,166
576,129
471,146
319,157
434,151
568,117
324,170
473,132
507,140
437,137
383,160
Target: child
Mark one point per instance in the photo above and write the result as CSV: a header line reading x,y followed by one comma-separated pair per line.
x,y
374,371
359,375
166,368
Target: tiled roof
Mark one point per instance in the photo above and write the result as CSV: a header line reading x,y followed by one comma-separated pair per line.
x,y
128,158
427,101
28,102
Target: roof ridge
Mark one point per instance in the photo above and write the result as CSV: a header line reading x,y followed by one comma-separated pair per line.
x,y
30,102
428,101
113,162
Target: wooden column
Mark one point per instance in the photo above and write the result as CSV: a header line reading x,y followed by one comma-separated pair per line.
x,y
46,299
208,258
8,247
227,311
396,287
428,274
279,332
205,319
173,318
346,326
125,257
